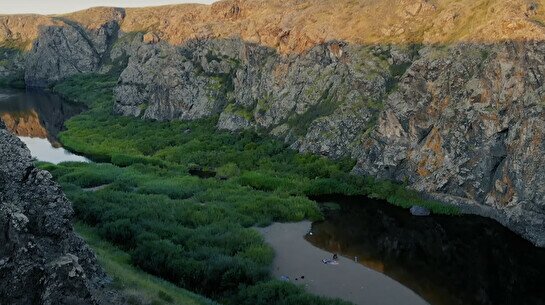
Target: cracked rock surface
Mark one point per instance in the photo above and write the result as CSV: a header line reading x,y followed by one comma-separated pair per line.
x,y
42,260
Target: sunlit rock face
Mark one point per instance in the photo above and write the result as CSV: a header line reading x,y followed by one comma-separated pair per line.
x,y
446,96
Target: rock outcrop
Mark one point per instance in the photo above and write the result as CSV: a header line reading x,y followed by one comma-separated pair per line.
x,y
446,96
468,127
69,48
78,42
459,122
42,261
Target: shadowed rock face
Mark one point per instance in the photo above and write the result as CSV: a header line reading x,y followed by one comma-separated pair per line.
x,y
455,109
469,126
68,49
42,261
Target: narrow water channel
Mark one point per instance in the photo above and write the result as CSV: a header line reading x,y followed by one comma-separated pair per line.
x,y
37,117
447,260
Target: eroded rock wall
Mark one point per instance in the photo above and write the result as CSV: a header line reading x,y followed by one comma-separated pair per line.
x,y
69,48
463,122
466,125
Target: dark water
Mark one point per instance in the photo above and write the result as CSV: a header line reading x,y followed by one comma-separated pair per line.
x,y
448,260
37,117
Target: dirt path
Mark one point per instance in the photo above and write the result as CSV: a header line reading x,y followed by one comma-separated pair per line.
x,y
296,257
96,188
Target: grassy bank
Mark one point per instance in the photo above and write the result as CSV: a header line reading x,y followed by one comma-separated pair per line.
x,y
195,232
140,287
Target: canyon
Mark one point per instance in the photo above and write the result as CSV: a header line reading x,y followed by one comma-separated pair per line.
x,y
444,96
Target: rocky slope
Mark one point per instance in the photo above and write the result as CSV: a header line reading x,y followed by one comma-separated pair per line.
x,y
42,261
444,95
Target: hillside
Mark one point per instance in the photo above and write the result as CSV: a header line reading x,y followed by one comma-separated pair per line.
x,y
436,103
296,26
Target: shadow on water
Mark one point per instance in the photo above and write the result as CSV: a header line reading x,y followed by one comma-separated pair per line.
x,y
448,260
38,117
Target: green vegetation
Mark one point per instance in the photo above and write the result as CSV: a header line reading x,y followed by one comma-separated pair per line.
x,y
280,293
15,44
17,82
7,55
194,232
537,21
326,107
90,90
240,111
136,284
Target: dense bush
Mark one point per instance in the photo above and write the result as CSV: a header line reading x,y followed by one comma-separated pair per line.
x,y
194,232
197,232
279,293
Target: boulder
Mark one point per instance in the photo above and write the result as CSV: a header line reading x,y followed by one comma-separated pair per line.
x,y
419,211
42,260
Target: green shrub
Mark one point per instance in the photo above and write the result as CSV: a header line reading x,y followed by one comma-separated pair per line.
x,y
165,296
229,170
279,293
181,188
195,232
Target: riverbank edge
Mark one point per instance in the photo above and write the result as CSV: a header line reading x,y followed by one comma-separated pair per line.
x,y
364,285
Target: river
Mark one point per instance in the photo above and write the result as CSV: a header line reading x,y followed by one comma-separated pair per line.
x,y
445,260
37,117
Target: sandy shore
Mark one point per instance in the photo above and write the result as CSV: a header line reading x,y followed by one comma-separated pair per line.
x,y
296,257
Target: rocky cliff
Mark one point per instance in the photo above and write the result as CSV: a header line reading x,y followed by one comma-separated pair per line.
x,y
446,96
42,261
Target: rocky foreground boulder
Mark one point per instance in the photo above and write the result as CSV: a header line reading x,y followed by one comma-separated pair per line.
x,y
42,260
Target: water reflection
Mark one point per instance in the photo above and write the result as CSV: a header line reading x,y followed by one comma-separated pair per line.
x,y
447,260
37,117
42,150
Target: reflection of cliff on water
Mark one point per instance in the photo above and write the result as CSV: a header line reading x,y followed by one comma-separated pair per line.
x,y
36,114
447,260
